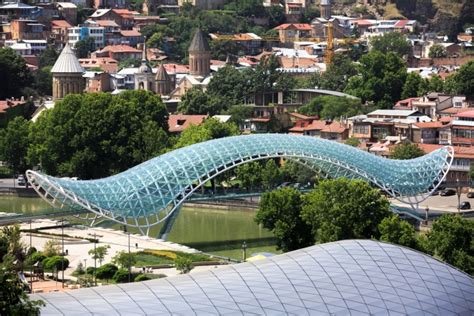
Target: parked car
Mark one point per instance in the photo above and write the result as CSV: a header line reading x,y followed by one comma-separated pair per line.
x,y
470,194
448,192
21,180
465,205
283,185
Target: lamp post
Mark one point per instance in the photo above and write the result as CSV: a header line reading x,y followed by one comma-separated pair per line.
x,y
458,192
125,230
31,267
62,251
244,251
427,210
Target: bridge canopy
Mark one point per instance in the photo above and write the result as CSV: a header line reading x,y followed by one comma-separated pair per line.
x,y
148,193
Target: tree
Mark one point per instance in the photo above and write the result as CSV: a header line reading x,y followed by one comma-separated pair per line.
x,y
344,209
124,259
210,129
464,80
280,212
437,51
99,253
406,151
331,107
352,141
97,134
395,230
84,47
381,79
14,144
451,238
51,248
412,86
141,277
239,113
48,57
394,42
196,101
155,40
221,49
56,263
337,74
107,271
249,175
436,84
231,84
14,74
44,80
183,265
270,174
14,299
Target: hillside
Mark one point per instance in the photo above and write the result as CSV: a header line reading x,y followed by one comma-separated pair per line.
x,y
448,16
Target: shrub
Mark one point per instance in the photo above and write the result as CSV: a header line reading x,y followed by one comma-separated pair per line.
x,y
142,277
51,248
36,257
79,269
107,271
90,270
183,265
55,263
121,276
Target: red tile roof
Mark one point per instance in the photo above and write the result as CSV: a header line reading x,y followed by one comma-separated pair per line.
x,y
179,122
466,114
364,22
459,151
5,105
429,124
453,110
401,23
176,68
405,104
61,23
298,26
334,127
130,33
120,49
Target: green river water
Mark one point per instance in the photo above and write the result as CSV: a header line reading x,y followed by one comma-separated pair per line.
x,y
219,232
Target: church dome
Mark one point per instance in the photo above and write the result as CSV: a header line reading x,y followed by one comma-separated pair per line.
x,y
145,68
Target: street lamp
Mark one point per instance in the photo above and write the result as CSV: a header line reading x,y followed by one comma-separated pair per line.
x,y
458,191
427,210
62,250
95,257
244,251
125,230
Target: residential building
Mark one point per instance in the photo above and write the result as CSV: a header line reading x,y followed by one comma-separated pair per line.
x,y
131,37
293,32
123,17
27,30
106,64
27,47
97,82
114,4
21,10
204,4
59,31
79,33
249,43
67,11
118,52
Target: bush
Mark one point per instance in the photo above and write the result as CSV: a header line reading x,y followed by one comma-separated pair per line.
x,y
36,257
90,270
183,265
121,276
55,263
107,271
141,277
79,269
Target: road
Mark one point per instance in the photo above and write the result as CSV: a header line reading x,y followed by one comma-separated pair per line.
x,y
9,183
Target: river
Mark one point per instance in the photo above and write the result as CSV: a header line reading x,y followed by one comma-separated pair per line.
x,y
218,232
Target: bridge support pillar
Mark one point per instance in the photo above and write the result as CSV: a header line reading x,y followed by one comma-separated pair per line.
x,y
168,224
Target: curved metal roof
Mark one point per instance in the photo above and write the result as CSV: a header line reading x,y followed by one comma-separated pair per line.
x,y
67,62
155,188
350,277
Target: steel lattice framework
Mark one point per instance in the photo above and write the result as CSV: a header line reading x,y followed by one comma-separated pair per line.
x,y
150,192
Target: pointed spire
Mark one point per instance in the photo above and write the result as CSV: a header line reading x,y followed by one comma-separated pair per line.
x,y
199,43
67,62
162,74
144,52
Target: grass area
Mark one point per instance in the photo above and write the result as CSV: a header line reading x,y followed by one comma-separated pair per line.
x,y
150,257
237,253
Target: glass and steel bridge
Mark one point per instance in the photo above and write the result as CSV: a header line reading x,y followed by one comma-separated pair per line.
x,y
151,192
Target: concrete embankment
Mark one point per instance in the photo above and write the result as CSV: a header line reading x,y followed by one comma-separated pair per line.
x,y
225,205
20,192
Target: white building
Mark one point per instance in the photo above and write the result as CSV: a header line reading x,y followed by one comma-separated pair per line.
x,y
78,33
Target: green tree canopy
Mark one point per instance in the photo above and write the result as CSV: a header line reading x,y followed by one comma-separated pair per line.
x,y
331,107
249,175
352,141
406,151
210,129
271,174
124,259
344,209
381,79
56,263
14,144
462,81
452,239
196,101
231,84
106,272
280,212
337,74
99,253
437,51
413,86
43,81
84,47
394,42
14,74
395,230
48,57
97,134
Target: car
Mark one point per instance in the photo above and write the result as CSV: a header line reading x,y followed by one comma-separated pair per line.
x,y
21,180
283,185
470,194
465,205
448,192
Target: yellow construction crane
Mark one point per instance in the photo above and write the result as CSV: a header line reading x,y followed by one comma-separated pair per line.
x,y
330,40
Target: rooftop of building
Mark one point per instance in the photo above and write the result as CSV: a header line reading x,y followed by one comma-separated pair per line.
x,y
199,42
67,62
295,26
179,122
